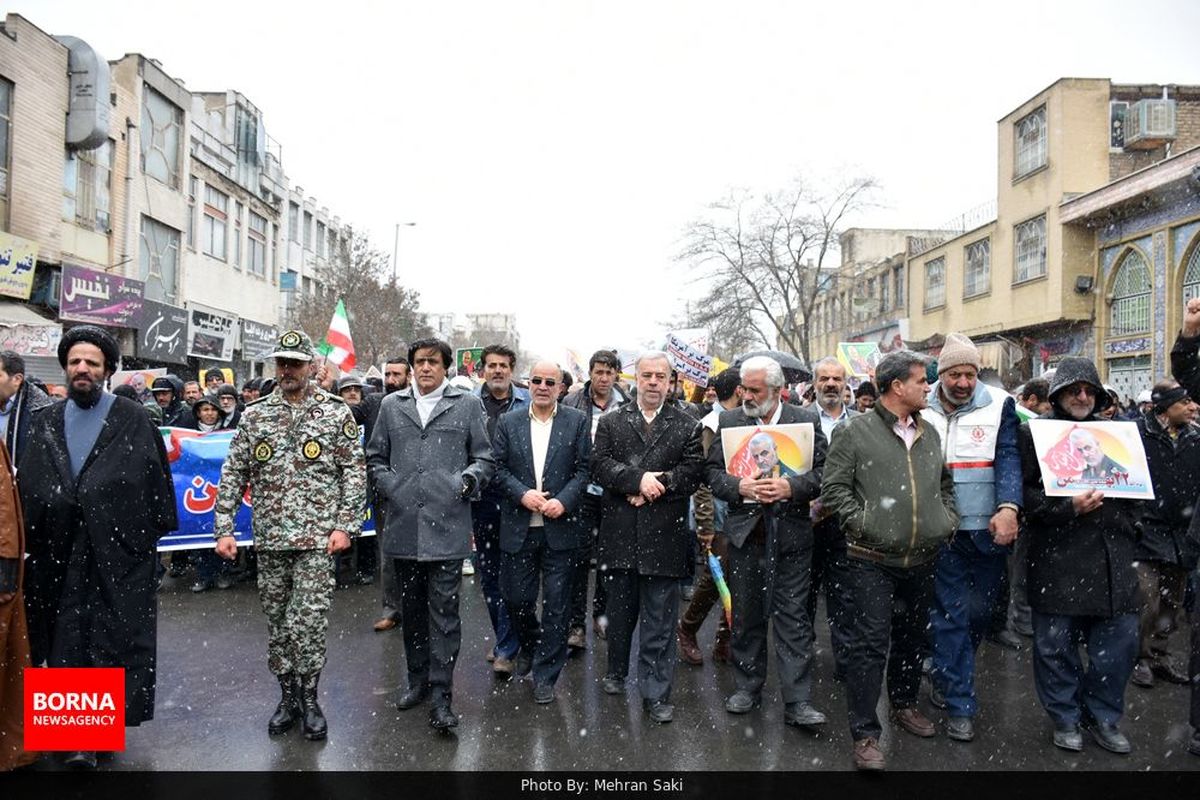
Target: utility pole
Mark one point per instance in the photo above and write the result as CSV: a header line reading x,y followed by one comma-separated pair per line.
x,y
396,246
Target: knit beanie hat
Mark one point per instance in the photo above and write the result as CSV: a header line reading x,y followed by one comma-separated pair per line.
x,y
956,352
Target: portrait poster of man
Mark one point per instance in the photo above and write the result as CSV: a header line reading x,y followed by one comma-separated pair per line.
x,y
140,379
768,451
469,362
859,358
1076,457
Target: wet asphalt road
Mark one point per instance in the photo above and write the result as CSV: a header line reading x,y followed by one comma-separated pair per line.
x,y
215,695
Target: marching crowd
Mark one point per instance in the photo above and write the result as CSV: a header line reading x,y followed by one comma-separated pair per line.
x,y
922,518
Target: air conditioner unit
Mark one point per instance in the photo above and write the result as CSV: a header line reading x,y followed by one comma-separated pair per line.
x,y
1150,124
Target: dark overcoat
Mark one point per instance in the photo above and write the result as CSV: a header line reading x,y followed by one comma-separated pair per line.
x,y
90,587
652,539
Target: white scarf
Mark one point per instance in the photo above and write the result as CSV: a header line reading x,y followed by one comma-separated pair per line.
x,y
427,402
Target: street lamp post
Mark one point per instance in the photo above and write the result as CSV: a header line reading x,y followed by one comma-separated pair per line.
x,y
396,246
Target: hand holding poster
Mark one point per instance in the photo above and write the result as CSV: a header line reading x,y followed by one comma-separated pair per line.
x,y
768,451
1077,457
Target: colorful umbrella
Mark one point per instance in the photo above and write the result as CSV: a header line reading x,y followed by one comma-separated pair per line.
x,y
714,566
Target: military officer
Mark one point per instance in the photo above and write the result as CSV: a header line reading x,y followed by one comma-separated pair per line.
x,y
298,450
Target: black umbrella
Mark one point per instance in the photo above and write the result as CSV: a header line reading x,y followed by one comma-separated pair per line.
x,y
794,370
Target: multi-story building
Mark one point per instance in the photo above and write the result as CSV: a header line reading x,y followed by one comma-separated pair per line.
x,y
311,238
1025,282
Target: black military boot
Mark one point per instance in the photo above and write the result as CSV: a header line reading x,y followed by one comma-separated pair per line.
x,y
288,710
312,718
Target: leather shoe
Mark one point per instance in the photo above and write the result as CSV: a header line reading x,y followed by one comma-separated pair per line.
x,y
1169,671
543,693
802,715
83,759
1068,739
1143,675
613,685
742,702
413,697
960,729
442,718
1109,737
867,755
1006,638
502,667
689,648
201,586
523,665
936,698
577,639
659,711
913,721
384,624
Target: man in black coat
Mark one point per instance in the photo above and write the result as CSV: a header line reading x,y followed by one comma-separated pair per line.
x,y
770,552
1165,556
1185,366
97,492
647,458
1082,584
542,472
168,394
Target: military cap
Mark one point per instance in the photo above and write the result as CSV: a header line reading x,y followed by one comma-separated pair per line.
x,y
295,345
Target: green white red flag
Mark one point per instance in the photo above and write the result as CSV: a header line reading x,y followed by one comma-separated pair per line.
x,y
338,347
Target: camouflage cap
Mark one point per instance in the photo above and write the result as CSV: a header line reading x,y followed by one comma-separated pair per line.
x,y
295,345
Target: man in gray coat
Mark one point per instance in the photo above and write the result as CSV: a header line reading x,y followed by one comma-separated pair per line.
x,y
429,456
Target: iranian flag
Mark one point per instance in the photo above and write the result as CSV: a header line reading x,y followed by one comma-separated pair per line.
x,y
338,347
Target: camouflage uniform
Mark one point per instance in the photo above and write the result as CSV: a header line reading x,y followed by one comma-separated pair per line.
x,y
307,476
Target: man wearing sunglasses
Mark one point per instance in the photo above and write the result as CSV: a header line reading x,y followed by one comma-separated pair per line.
x,y
542,470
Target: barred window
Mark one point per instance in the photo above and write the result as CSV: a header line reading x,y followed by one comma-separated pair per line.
x,y
1030,133
977,275
1191,276
1030,250
1131,296
87,187
935,283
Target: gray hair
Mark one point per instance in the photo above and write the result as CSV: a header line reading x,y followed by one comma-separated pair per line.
x,y
897,366
763,364
830,361
651,355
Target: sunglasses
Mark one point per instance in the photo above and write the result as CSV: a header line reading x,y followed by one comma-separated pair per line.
x,y
551,382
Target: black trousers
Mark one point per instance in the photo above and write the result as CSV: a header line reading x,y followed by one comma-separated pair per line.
x,y
522,574
429,592
1193,602
829,573
888,629
649,603
590,511
790,625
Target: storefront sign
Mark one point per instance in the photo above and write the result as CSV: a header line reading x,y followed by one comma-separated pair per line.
x,y
211,333
100,298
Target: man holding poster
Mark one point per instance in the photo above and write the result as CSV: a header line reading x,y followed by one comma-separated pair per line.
x,y
770,541
1082,584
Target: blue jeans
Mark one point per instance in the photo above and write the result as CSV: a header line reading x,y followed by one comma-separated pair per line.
x,y
965,586
1065,690
486,522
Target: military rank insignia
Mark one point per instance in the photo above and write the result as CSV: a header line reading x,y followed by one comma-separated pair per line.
x,y
290,339
262,452
350,429
312,449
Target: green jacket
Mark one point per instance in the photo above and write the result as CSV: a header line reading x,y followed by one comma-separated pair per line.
x,y
896,505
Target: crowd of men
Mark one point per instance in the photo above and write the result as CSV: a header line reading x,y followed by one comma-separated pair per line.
x,y
920,514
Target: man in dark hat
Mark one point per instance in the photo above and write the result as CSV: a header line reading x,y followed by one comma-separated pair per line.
x,y
1082,584
90,590
168,394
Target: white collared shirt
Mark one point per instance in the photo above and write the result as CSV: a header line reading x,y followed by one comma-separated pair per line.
x,y
539,439
650,416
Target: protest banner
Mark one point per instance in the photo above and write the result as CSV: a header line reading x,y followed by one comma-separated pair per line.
x,y
692,363
196,460
768,451
1076,457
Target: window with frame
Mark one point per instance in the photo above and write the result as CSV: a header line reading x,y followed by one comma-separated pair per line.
x,y
161,134
238,213
216,222
884,300
1131,296
898,285
935,282
1029,240
159,260
1191,276
1030,151
977,271
87,187
321,239
307,232
6,93
294,222
256,240
193,190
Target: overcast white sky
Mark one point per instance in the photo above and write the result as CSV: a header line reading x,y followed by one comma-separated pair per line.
x,y
552,152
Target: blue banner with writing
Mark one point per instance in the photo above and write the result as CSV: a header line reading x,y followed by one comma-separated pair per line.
x,y
196,460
